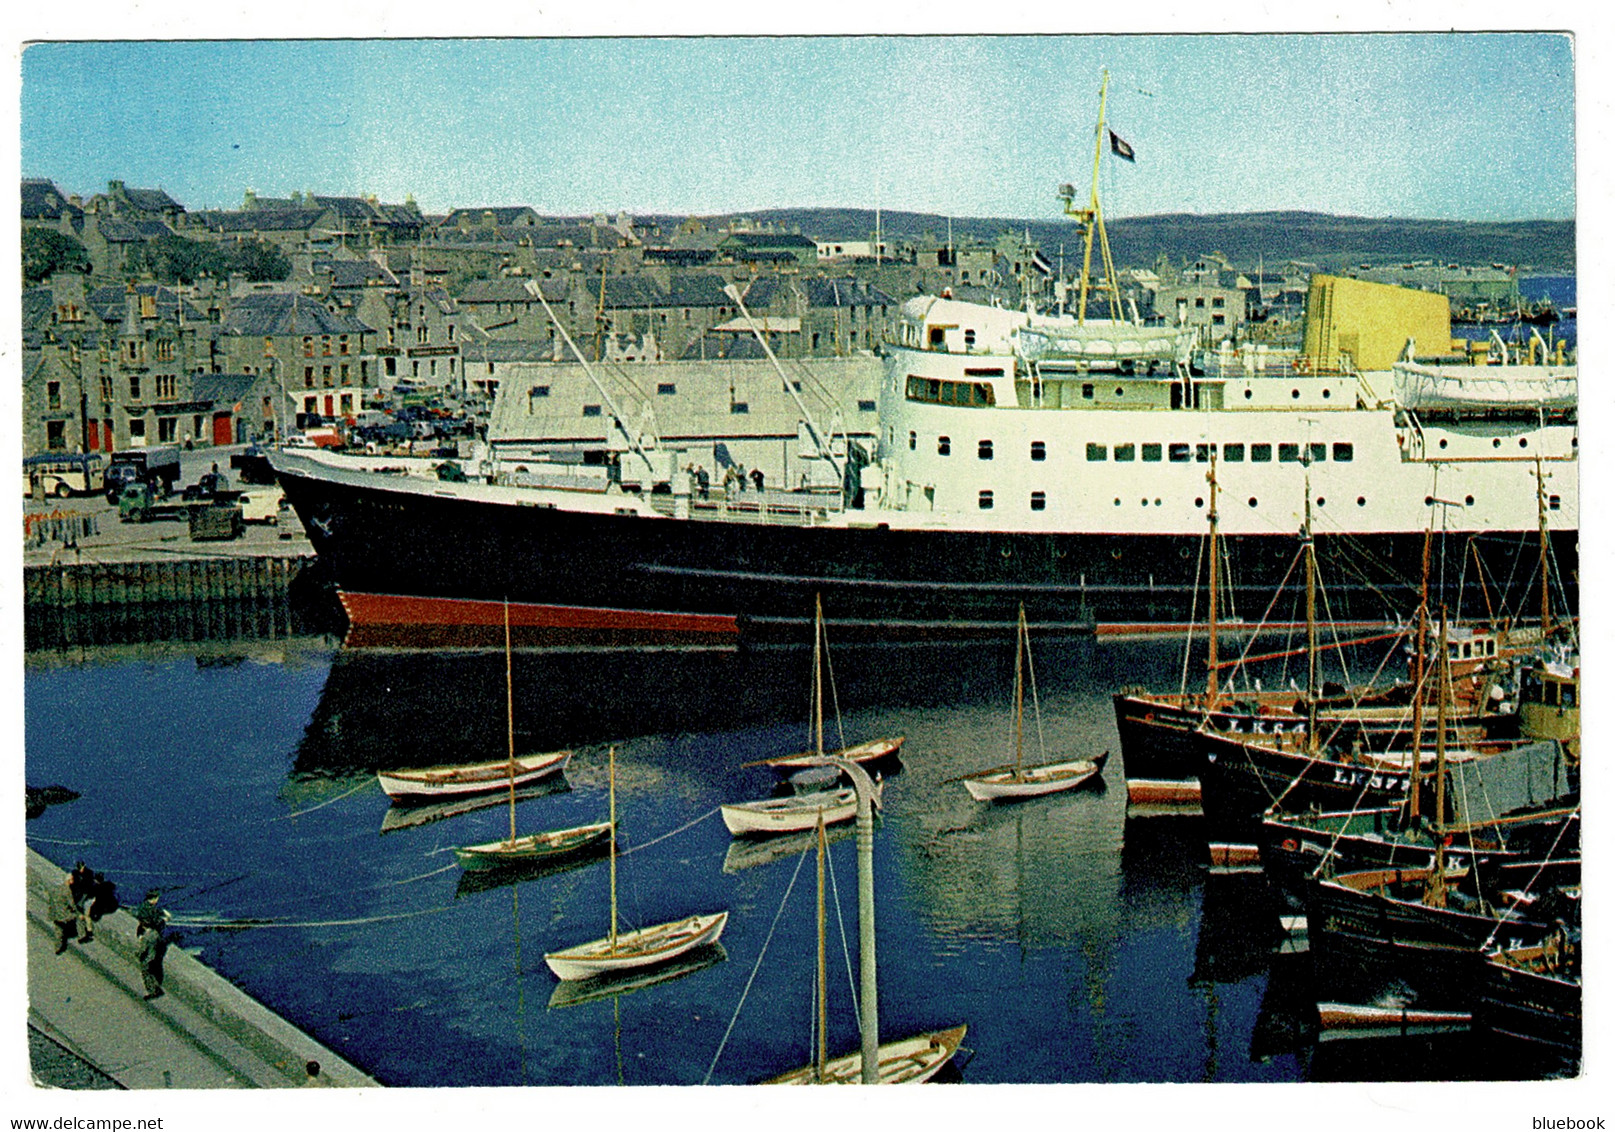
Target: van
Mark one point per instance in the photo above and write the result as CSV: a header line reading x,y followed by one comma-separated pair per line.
x,y
261,504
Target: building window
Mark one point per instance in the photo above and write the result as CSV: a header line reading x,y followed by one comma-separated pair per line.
x,y
984,450
1261,453
56,435
913,441
1039,501
167,428
1218,320
269,347
347,403
137,430
1040,452
866,406
53,395
1289,453
591,410
739,407
985,501
325,376
134,389
943,446
539,391
1152,453
1124,453
308,346
1216,302
308,377
1096,452
421,335
167,387
165,350
666,389
1343,453
106,387
1234,453
342,344
325,345
1200,301
1087,391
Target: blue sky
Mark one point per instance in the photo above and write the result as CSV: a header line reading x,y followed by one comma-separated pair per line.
x,y
1459,126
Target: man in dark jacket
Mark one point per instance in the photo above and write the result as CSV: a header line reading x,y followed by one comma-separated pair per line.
x,y
62,909
152,942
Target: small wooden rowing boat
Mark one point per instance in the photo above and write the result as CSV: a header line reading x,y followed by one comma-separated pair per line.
x,y
547,846
863,754
792,814
437,782
908,1061
1344,1020
627,951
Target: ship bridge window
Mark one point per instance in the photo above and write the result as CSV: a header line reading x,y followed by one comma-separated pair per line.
x,y
1316,453
666,389
866,406
1040,452
913,441
943,446
985,501
1087,391
984,450
1343,453
1096,452
1202,453
1124,453
591,410
1289,453
970,394
1178,453
1261,453
1039,501
1152,453
970,338
1553,503
740,407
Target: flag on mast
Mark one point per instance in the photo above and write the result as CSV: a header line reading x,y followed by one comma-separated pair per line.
x,y
1120,148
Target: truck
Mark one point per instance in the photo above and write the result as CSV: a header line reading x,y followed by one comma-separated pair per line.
x,y
208,518
157,466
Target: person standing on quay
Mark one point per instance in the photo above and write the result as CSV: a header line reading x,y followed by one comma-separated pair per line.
x,y
153,943
62,909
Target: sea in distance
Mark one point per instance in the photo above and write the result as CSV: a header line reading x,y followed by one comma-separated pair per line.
x,y
1078,944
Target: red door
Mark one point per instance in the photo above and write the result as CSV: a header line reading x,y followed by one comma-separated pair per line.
x,y
106,430
92,436
223,429
329,411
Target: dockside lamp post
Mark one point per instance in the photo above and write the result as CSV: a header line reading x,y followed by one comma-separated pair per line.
x,y
868,1001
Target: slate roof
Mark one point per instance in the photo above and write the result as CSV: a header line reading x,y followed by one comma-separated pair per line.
x,y
697,289
505,289
359,273
843,293
152,200
222,388
267,220
110,305
116,231
38,304
770,240
503,216
42,200
628,292
268,314
348,208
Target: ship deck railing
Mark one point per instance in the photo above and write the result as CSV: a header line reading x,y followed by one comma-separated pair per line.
x,y
766,507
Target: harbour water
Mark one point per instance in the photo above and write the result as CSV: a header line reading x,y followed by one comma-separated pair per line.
x,y
1079,945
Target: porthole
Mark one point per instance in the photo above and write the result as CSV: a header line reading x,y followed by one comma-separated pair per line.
x,y
1295,395
1199,501
1157,502
1522,442
1469,501
1143,502
1252,501
1320,501
1118,501
1429,500
1443,443
1247,394
1326,394
1118,391
1361,502
1497,442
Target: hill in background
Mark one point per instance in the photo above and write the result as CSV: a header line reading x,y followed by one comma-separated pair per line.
x,y
1331,242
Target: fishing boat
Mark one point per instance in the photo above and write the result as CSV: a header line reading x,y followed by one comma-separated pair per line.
x,y
909,1060
1017,781
1534,993
620,952
1339,1021
437,782
1045,458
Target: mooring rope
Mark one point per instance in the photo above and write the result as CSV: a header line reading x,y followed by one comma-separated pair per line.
x,y
321,805
752,978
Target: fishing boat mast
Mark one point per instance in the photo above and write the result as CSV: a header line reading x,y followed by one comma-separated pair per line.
x,y
612,794
1021,645
1312,624
823,1056
1416,776
1211,614
510,726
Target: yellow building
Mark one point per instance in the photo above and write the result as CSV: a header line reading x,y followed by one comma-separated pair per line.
x,y
1371,323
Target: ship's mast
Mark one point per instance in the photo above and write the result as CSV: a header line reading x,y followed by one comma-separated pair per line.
x,y
1093,221
1211,613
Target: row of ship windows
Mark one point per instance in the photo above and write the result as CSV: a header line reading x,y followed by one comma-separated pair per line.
x,y
1340,452
1039,501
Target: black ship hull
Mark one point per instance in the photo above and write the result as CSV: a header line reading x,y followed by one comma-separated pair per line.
x,y
418,567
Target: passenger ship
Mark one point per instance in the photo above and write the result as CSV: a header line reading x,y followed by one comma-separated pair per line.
x,y
1026,459
1055,461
